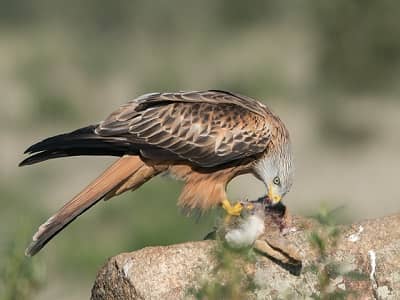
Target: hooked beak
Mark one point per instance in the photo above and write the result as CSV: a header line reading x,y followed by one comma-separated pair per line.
x,y
273,197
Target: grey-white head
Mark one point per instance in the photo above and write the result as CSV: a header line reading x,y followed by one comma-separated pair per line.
x,y
276,170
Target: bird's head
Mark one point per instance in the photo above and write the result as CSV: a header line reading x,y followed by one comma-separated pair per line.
x,y
276,170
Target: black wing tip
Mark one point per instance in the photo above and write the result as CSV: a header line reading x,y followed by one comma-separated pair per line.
x,y
33,159
61,145
23,163
26,162
29,160
48,143
62,138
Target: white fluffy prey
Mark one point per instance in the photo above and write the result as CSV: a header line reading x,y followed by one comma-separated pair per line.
x,y
245,234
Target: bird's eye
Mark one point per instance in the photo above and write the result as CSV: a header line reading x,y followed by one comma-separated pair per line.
x,y
277,181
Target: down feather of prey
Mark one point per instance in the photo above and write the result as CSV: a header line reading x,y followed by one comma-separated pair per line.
x,y
246,233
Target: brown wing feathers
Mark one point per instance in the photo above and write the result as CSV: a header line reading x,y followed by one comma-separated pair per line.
x,y
206,129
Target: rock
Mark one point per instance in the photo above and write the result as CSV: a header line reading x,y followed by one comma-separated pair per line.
x,y
366,256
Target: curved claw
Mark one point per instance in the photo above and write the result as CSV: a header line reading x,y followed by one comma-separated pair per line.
x,y
234,210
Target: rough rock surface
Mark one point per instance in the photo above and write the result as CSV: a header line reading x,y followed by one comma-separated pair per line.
x,y
370,247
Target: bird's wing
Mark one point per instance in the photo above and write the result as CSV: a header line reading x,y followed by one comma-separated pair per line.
x,y
207,128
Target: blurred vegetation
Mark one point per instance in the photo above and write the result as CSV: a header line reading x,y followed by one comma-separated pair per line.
x,y
360,51
20,277
66,64
324,240
228,279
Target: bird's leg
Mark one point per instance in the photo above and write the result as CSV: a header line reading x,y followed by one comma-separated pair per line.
x,y
234,210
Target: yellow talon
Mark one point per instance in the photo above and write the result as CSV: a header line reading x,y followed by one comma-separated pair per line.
x,y
232,210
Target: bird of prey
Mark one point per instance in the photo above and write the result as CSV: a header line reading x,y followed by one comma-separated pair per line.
x,y
204,138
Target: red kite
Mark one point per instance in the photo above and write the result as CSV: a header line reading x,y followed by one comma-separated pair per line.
x,y
205,138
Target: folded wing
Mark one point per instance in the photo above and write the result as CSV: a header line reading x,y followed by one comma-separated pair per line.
x,y
205,128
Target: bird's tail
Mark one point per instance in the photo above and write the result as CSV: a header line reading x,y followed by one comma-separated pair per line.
x,y
128,171
83,141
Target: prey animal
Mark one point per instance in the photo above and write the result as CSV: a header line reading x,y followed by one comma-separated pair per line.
x,y
204,138
259,227
243,230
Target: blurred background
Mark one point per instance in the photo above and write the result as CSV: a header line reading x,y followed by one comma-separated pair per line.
x,y
329,69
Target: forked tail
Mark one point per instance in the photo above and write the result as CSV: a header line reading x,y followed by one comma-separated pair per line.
x,y
126,169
